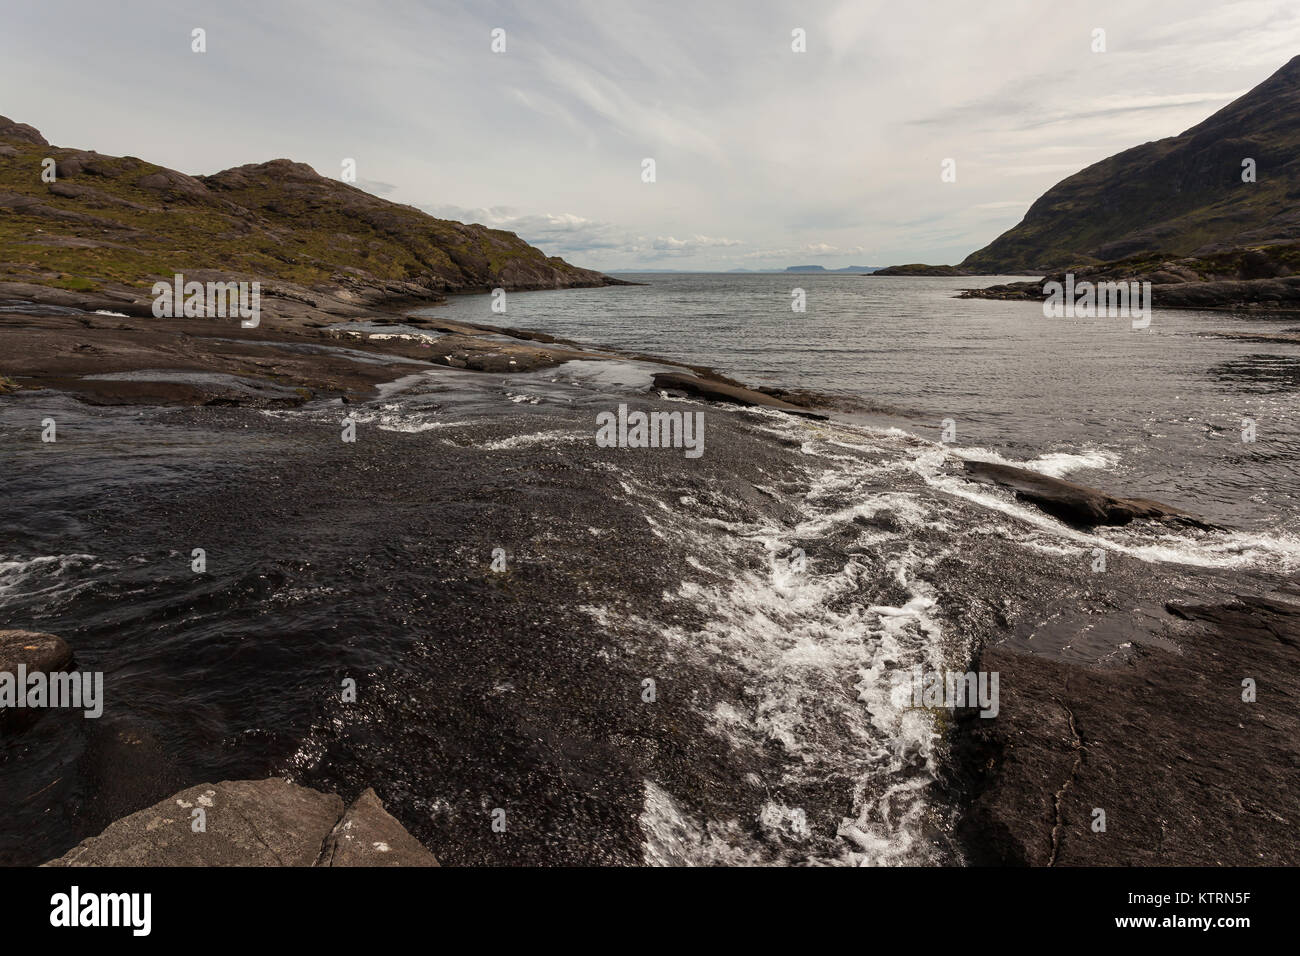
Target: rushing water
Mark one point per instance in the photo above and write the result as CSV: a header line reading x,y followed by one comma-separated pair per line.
x,y
776,732
1159,409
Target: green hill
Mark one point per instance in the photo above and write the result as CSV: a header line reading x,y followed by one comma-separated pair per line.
x,y
121,222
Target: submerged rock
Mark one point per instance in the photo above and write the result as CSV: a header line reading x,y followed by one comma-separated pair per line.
x,y
724,392
37,650
253,823
1077,504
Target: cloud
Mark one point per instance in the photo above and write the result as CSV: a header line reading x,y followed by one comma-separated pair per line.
x,y
374,186
762,153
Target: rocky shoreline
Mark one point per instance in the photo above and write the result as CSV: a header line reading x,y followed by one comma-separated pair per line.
x,y
1183,771
1156,736
1257,278
112,351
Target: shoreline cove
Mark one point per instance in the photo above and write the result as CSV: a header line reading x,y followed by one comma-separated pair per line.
x,y
796,578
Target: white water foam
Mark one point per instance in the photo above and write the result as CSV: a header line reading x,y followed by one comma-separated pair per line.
x,y
818,665
23,578
931,461
550,437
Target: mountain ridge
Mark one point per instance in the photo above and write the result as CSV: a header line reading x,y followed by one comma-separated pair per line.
x,y
118,223
1182,195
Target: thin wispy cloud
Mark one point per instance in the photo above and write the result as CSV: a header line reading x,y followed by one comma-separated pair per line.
x,y
761,153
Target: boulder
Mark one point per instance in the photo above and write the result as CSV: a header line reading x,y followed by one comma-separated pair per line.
x,y
39,651
1187,770
253,823
1076,504
20,132
369,836
34,650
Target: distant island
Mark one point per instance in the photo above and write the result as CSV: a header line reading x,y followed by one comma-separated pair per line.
x,y
921,269
859,269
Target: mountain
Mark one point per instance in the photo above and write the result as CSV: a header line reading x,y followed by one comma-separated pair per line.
x,y
1180,196
120,223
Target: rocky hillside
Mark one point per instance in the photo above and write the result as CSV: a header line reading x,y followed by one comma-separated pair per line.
x,y
1180,196
1263,278
119,223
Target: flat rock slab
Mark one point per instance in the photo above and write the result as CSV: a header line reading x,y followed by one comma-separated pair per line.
x,y
253,823
1077,504
1187,772
722,392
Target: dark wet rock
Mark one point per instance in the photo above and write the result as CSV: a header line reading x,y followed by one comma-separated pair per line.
x,y
1186,771
807,399
725,392
253,823
36,650
881,521
473,350
1077,504
166,386
1278,618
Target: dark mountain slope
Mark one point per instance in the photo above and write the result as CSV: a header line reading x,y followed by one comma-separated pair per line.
x,y
1179,196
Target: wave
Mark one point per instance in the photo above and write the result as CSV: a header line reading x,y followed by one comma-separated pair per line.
x,y
22,578
931,461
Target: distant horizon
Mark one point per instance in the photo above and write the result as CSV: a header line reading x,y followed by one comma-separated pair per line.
x,y
775,270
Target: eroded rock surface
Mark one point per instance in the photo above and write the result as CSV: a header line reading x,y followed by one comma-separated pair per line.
x,y
1185,769
253,823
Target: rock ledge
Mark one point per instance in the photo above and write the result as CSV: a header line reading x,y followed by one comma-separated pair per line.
x,y
254,823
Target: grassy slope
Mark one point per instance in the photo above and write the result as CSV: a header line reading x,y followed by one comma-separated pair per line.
x,y
123,220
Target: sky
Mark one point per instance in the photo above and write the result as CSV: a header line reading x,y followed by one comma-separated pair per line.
x,y
764,156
